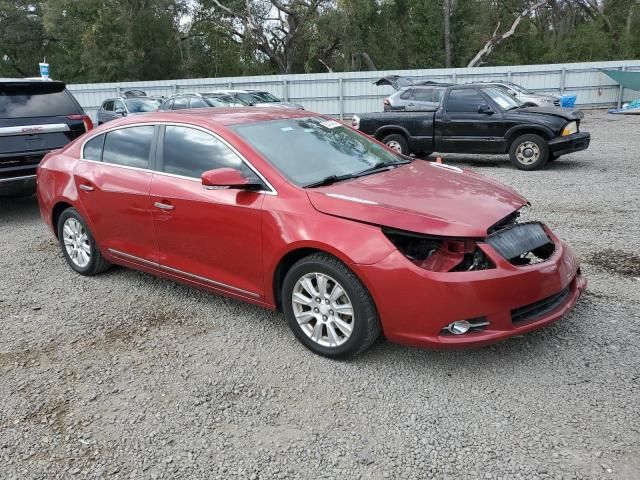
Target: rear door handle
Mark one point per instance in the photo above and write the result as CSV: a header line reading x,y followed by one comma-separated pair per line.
x,y
86,188
164,206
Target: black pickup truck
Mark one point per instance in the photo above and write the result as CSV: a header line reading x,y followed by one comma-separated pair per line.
x,y
36,116
480,119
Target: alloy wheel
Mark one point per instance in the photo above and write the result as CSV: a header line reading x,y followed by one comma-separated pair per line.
x,y
393,145
323,309
76,242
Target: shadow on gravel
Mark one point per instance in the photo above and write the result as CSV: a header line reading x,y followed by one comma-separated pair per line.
x,y
17,209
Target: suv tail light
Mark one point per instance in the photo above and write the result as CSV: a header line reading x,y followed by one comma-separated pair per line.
x,y
387,102
88,124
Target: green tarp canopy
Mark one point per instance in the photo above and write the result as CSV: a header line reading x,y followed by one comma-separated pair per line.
x,y
626,79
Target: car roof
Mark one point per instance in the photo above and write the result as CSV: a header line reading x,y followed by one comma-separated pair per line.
x,y
220,115
27,81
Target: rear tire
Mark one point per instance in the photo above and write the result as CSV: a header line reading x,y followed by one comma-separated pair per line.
x,y
328,308
529,152
423,154
78,245
397,142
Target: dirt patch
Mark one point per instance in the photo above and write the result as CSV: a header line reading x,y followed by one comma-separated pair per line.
x,y
615,261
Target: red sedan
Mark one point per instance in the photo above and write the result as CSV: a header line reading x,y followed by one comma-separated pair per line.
x,y
290,210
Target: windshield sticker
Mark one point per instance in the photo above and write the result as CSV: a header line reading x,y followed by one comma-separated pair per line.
x,y
330,124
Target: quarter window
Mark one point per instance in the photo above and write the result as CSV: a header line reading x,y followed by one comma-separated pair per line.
x,y
93,148
407,94
128,146
464,100
189,152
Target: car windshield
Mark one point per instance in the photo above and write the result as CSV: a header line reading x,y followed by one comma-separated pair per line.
x,y
245,98
265,97
504,100
138,105
216,101
308,150
518,88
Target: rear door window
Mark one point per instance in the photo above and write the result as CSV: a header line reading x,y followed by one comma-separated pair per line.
x,y
36,100
424,94
93,149
128,146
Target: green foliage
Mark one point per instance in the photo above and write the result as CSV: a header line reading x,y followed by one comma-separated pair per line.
x,y
119,40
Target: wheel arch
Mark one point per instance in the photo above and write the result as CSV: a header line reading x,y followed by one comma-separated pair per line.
x,y
289,259
59,207
518,131
391,129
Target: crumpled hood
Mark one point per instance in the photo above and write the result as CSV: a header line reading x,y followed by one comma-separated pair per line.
x,y
555,111
421,197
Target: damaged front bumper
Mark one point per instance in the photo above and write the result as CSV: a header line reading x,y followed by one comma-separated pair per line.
x,y
417,306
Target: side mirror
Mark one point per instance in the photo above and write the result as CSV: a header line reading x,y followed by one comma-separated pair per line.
x,y
120,111
484,108
228,178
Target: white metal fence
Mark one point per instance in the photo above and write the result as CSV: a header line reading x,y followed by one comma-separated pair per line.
x,y
345,93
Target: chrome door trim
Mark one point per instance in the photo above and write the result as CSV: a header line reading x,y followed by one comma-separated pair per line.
x,y
192,276
271,189
34,129
24,177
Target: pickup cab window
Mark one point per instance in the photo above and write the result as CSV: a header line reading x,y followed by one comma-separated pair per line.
x,y
464,100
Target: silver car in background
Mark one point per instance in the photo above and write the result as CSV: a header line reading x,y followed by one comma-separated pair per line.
x,y
524,96
259,98
113,108
415,97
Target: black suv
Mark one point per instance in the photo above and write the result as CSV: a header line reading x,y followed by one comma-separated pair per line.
x,y
36,117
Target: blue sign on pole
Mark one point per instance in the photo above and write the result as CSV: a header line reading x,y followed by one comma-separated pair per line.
x,y
44,70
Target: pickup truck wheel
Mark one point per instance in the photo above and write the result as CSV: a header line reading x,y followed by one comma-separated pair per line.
x,y
529,152
397,142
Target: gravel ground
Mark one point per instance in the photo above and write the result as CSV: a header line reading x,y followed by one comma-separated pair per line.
x,y
128,376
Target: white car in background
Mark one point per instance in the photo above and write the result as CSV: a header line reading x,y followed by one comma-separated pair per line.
x,y
524,96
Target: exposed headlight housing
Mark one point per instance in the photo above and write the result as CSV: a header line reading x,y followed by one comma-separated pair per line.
x,y
439,254
355,122
570,128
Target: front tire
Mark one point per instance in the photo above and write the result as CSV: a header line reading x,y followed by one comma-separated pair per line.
x,y
328,308
78,245
529,152
397,142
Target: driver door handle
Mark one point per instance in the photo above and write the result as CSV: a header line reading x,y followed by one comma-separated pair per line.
x,y
164,206
86,188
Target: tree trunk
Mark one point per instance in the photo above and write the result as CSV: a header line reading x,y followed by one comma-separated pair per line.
x,y
447,33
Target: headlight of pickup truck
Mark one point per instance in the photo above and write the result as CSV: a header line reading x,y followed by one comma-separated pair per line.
x,y
572,127
355,122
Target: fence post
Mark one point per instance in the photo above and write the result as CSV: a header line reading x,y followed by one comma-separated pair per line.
x,y
118,92
174,87
509,75
563,80
285,89
341,96
230,85
621,91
